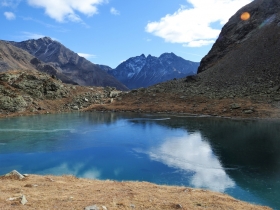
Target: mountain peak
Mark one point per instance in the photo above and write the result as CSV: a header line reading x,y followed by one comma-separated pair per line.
x,y
46,39
167,55
141,71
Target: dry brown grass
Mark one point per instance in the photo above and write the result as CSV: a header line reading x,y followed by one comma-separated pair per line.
x,y
68,192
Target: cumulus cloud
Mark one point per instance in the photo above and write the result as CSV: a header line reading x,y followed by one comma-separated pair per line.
x,y
9,15
114,11
193,27
87,56
66,9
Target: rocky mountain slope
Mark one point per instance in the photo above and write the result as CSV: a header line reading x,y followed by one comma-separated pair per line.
x,y
244,61
70,63
14,58
142,71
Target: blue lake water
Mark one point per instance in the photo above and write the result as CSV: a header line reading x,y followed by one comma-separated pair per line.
x,y
237,157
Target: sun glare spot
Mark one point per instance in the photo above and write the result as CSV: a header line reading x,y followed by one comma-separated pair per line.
x,y
245,16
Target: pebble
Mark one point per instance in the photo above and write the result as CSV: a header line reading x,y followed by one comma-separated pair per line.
x,y
94,207
23,200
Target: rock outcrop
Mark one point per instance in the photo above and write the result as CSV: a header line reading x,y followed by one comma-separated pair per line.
x,y
33,92
19,89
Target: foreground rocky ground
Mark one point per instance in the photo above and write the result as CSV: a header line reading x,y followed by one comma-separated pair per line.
x,y
68,192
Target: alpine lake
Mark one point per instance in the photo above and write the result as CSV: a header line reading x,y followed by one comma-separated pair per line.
x,y
237,157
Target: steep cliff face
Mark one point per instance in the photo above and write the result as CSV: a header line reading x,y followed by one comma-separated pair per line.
x,y
142,71
70,63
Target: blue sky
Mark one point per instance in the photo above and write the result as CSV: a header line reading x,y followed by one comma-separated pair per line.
x,y
111,31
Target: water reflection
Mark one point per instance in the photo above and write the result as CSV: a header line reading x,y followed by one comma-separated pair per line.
x,y
191,153
241,158
77,170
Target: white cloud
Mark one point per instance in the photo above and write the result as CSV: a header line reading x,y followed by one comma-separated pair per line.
x,y
29,35
10,15
114,11
62,10
87,56
192,26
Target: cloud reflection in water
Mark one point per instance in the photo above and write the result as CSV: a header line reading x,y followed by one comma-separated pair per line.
x,y
75,169
191,153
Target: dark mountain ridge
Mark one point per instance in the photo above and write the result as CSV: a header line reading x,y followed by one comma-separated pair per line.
x,y
70,63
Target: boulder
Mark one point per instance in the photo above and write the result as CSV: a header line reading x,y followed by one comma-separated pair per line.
x,y
235,106
114,94
14,173
248,111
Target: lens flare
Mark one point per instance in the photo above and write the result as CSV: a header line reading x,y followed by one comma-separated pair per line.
x,y
245,16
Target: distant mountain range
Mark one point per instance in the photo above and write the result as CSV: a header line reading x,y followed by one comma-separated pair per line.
x,y
49,56
142,71
69,63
